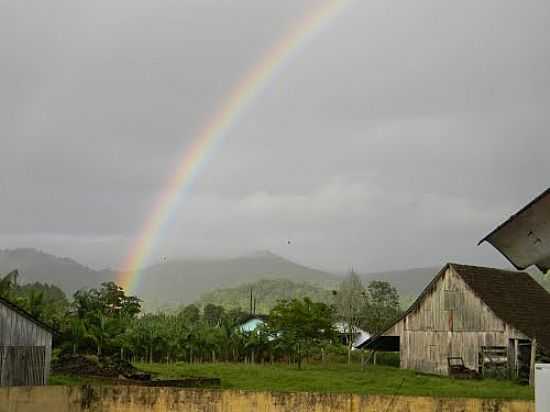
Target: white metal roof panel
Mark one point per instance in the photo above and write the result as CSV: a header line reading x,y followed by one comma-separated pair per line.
x,y
524,239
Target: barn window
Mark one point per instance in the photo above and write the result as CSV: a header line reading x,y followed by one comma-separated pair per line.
x,y
452,300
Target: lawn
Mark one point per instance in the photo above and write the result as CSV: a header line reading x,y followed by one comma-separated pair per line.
x,y
56,379
341,378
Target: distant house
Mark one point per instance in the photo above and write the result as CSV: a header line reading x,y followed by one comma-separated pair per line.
x,y
486,317
25,347
251,323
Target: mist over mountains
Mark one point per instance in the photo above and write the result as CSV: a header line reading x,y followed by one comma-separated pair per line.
x,y
36,266
184,281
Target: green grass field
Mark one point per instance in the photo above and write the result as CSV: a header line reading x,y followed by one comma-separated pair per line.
x,y
341,378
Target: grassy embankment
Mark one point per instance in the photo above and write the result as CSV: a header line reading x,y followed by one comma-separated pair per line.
x,y
341,378
335,377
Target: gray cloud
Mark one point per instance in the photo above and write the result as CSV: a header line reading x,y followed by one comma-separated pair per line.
x,y
398,137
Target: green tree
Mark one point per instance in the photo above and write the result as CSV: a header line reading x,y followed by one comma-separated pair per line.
x,y
103,330
257,343
213,314
300,326
76,334
46,302
8,284
382,308
115,303
106,313
350,300
190,314
36,303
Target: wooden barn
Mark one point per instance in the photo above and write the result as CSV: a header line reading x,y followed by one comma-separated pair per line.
x,y
25,347
488,319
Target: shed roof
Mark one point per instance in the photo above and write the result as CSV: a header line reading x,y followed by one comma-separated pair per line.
x,y
524,239
27,315
514,297
361,336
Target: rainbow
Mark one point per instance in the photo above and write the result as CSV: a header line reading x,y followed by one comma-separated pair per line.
x,y
241,96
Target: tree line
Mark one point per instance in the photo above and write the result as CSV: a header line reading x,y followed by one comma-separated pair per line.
x,y
107,321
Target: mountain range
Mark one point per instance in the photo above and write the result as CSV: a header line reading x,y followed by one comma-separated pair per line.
x,y
184,281
36,266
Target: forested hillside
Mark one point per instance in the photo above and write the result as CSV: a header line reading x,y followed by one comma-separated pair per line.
x,y
183,281
266,293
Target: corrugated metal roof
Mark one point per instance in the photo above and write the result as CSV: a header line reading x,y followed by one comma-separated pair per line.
x,y
251,325
524,239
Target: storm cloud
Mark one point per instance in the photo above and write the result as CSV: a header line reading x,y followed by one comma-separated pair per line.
x,y
398,137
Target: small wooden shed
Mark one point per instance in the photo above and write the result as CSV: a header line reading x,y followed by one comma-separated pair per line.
x,y
25,347
486,317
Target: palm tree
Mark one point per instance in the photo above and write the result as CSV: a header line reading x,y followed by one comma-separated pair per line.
x,y
36,303
101,332
77,333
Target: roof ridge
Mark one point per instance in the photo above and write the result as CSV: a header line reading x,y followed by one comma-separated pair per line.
x,y
515,272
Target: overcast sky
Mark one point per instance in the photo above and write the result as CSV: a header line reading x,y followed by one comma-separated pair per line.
x,y
401,135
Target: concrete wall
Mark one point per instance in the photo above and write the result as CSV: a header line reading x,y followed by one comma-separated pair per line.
x,y
139,398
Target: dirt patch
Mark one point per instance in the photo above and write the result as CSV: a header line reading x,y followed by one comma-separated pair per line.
x,y
106,367
114,371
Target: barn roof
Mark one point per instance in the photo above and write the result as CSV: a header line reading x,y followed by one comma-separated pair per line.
x,y
27,315
524,239
514,297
